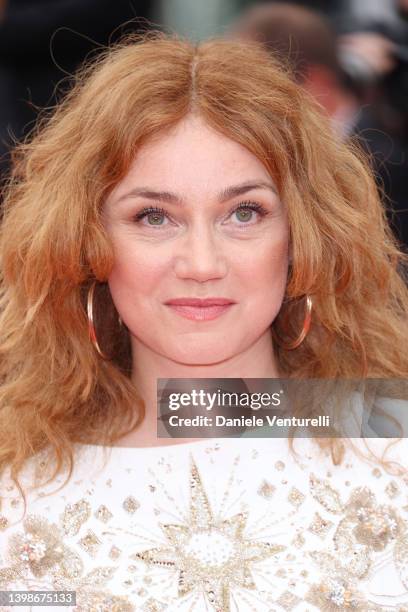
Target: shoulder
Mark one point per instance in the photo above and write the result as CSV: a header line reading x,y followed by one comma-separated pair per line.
x,y
390,453
53,540
39,480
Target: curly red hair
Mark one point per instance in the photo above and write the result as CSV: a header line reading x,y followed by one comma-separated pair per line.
x,y
55,388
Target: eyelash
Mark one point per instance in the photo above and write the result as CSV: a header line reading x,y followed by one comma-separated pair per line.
x,y
247,205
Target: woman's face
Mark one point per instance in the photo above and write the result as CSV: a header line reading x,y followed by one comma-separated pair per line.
x,y
197,216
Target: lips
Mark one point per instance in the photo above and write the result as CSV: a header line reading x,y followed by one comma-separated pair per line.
x,y
199,303
197,309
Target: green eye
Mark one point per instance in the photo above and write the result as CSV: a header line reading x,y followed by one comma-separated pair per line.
x,y
155,218
244,214
152,217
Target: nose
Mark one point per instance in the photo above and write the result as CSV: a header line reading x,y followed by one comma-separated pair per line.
x,y
200,255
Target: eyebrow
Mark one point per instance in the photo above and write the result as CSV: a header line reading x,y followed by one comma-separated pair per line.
x,y
226,194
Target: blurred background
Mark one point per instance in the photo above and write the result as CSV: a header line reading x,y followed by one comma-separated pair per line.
x,y
352,55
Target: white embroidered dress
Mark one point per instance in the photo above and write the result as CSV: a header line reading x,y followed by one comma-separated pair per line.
x,y
214,525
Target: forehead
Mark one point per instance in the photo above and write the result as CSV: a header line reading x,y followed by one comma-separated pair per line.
x,y
192,159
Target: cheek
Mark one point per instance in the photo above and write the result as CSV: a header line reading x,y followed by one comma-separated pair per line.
x,y
136,273
266,266
268,280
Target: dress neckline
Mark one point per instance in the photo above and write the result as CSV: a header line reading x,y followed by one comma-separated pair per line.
x,y
159,448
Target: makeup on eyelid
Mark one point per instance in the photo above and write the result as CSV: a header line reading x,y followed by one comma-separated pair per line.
x,y
243,206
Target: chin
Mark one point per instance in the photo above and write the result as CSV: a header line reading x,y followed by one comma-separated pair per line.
x,y
204,356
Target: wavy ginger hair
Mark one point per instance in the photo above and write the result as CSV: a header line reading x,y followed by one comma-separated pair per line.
x,y
55,389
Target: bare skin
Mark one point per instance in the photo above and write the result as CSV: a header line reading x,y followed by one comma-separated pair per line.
x,y
197,243
257,362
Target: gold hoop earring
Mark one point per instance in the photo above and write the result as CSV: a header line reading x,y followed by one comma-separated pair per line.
x,y
91,325
289,346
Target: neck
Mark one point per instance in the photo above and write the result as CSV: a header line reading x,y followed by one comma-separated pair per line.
x,y
257,361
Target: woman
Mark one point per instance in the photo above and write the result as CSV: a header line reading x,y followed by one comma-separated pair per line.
x,y
174,173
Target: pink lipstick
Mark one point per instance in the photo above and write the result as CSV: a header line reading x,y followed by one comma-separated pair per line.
x,y
197,309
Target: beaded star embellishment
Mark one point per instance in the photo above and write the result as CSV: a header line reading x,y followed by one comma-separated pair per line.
x,y
211,555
